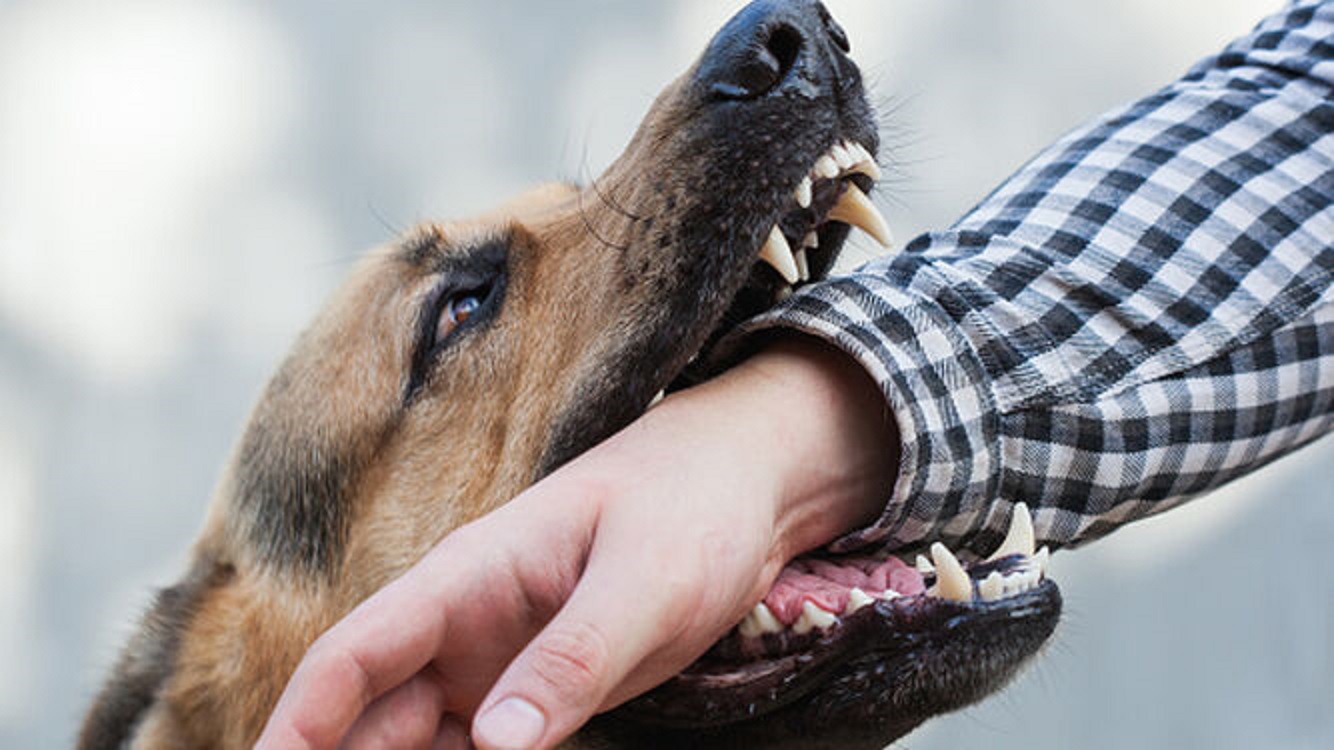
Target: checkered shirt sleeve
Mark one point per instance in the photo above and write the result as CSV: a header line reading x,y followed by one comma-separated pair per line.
x,y
1140,314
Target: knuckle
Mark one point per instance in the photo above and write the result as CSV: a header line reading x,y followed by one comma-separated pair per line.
x,y
572,661
332,660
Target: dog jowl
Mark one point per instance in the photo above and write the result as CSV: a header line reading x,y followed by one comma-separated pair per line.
x,y
463,362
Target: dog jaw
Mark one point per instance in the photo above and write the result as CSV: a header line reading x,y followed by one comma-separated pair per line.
x,y
376,437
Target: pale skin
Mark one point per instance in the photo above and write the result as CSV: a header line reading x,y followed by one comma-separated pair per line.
x,y
610,575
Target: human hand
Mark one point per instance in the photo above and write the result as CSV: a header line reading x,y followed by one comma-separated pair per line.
x,y
610,575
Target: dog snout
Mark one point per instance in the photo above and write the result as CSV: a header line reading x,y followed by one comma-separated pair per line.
x,y
773,46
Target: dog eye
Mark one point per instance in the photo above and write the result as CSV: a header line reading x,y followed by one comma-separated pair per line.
x,y
456,311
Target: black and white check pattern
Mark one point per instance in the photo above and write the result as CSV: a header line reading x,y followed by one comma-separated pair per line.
x,y
1140,314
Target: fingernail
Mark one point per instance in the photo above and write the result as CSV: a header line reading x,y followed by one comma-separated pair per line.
x,y
512,724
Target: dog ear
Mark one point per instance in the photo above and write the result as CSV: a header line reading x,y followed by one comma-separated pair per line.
x,y
148,659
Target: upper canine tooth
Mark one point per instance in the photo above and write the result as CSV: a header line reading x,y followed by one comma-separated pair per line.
x,y
951,581
1019,539
803,192
855,208
826,167
777,253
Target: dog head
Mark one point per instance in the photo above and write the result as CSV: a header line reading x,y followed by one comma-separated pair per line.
x,y
460,364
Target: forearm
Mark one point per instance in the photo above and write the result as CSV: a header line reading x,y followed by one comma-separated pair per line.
x,y
1155,247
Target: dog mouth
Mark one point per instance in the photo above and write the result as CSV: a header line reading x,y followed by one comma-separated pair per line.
x,y
862,647
872,640
804,241
831,198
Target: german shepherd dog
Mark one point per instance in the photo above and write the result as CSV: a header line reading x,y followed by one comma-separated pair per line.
x,y
469,359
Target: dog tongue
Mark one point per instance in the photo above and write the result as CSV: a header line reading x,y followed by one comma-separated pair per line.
x,y
828,584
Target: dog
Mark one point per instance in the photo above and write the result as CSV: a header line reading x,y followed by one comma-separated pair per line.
x,y
461,363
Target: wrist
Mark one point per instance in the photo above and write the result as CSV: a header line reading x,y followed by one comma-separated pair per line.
x,y
815,429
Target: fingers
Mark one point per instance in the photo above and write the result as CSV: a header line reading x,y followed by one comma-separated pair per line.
x,y
383,642
406,717
566,673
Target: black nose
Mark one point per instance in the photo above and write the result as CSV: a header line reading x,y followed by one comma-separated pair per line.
x,y
756,52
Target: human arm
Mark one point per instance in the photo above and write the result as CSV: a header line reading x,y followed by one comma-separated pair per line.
x,y
1141,313
613,573
1082,304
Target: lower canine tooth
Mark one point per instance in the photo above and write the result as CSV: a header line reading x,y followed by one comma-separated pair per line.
x,y
1042,558
803,268
951,581
855,208
777,253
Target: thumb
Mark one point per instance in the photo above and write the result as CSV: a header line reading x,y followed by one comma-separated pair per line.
x,y
566,673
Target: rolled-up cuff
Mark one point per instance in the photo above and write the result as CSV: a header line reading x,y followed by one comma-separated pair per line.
x,y
935,385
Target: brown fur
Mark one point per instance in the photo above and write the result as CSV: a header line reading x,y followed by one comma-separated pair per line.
x,y
359,457
337,486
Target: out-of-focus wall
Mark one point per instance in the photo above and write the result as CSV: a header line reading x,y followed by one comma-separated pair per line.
x,y
182,183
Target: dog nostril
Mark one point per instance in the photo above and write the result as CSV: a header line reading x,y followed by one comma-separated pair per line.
x,y
762,67
784,45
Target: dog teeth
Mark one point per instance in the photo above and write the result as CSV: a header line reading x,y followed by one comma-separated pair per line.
x,y
803,269
826,167
856,600
777,253
803,192
991,588
852,207
758,621
813,617
1019,539
863,162
951,580
855,208
839,153
924,566
1042,558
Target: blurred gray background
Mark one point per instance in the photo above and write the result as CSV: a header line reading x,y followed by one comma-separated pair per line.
x,y
182,182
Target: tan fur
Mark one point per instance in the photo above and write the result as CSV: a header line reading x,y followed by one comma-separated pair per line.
x,y
473,442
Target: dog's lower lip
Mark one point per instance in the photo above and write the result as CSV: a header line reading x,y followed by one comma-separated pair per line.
x,y
824,611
